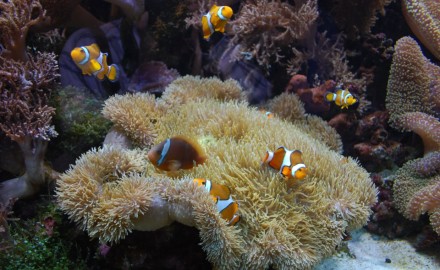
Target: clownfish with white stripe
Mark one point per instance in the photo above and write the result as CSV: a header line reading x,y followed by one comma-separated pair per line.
x,y
176,153
342,98
289,163
221,195
92,61
215,20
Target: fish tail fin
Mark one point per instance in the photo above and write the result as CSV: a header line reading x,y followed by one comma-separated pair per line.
x,y
329,96
113,73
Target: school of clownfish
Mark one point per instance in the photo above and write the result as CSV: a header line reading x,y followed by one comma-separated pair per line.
x,y
181,153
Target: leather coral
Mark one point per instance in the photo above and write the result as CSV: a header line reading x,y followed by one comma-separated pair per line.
x,y
277,229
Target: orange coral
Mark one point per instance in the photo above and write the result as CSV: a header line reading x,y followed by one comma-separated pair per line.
x,y
423,17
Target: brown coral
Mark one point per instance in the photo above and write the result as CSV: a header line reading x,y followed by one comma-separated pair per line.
x,y
264,28
25,117
17,16
409,83
423,17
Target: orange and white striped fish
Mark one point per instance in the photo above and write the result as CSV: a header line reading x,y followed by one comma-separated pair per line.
x,y
92,61
215,20
221,195
342,98
289,163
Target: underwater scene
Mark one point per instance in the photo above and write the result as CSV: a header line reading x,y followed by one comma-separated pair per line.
x,y
234,134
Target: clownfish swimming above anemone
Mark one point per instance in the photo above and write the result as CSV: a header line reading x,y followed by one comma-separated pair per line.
x,y
176,153
215,20
221,195
92,61
342,98
289,164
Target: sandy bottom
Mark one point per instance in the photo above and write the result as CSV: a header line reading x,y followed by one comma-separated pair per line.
x,y
367,251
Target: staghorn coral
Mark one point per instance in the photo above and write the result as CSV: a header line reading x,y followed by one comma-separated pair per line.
x,y
423,17
277,229
410,81
416,189
25,117
17,17
265,28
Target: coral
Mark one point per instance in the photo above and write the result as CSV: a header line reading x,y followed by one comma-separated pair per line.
x,y
416,189
313,98
188,88
423,17
25,117
265,28
356,17
277,229
410,81
59,12
129,115
17,17
290,108
130,201
424,125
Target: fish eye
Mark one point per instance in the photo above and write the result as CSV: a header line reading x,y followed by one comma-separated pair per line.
x,y
82,50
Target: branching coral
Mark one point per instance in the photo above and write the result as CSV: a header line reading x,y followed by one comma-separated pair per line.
x,y
423,17
25,117
410,81
17,16
264,28
277,229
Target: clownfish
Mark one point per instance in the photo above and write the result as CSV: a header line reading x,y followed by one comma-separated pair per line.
x,y
289,163
342,98
221,195
215,20
176,153
92,61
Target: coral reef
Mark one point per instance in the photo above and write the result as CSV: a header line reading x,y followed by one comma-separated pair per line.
x,y
265,28
111,191
423,17
25,117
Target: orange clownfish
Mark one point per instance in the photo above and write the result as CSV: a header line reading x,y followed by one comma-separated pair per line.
x,y
221,195
342,98
215,20
92,61
176,153
268,114
288,163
